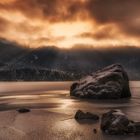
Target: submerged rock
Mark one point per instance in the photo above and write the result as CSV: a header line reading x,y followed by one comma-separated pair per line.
x,y
81,115
23,110
115,122
95,130
111,82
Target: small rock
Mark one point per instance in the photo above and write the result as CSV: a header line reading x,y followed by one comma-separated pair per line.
x,y
95,131
23,110
115,122
81,115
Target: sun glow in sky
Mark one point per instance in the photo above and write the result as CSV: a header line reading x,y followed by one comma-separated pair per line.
x,y
7,1
67,23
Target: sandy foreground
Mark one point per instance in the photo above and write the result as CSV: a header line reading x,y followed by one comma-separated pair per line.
x,y
52,116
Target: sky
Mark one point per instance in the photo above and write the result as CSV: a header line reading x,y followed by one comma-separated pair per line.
x,y
67,23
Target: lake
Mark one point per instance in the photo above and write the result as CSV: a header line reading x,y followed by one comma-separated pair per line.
x,y
44,98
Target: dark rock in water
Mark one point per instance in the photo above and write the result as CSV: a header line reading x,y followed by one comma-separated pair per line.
x,y
95,131
23,110
109,83
81,115
115,122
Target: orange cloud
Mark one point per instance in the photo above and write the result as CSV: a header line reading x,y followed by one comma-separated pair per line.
x,y
65,23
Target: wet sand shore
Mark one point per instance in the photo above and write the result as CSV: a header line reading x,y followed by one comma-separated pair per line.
x,y
52,112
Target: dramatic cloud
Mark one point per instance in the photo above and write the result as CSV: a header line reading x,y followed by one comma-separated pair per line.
x,y
104,32
3,23
69,22
124,13
52,10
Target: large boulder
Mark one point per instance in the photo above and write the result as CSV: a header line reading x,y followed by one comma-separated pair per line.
x,y
111,82
115,122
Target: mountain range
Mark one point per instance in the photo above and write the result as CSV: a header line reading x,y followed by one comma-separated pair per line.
x,y
23,63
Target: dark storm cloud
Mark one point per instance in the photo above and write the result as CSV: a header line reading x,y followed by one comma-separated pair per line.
x,y
124,13
52,10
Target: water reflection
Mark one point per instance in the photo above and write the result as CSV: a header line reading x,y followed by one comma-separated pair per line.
x,y
57,100
58,97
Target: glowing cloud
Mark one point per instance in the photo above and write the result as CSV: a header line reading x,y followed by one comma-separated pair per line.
x,y
68,22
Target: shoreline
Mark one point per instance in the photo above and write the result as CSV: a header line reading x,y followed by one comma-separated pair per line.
x,y
52,115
